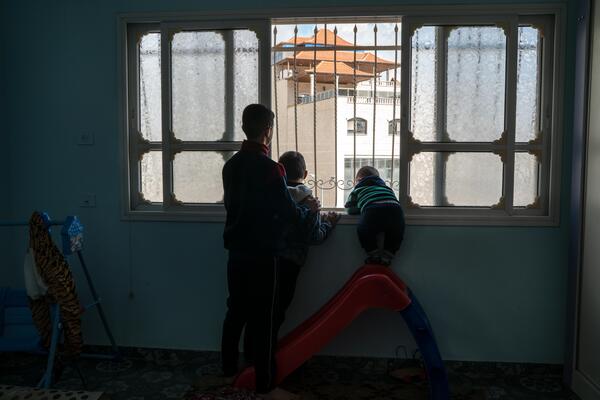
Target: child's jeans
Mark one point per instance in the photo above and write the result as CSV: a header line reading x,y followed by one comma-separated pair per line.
x,y
253,287
382,218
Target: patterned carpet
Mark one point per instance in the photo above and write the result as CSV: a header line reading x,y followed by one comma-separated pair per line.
x,y
170,374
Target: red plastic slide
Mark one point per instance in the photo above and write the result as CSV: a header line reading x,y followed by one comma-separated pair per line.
x,y
370,287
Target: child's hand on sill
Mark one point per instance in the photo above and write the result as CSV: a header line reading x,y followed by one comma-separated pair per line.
x,y
312,203
332,217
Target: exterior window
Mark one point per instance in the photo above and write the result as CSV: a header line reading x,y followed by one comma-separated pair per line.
x,y
361,126
394,127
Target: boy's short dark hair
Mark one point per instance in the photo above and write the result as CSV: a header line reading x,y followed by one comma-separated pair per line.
x,y
255,119
294,165
365,171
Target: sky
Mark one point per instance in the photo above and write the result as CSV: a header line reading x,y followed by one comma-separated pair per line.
x,y
365,35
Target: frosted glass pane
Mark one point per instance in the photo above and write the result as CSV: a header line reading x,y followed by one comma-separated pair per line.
x,y
422,179
423,82
245,51
474,179
151,176
149,87
526,179
198,73
528,77
197,176
475,84
466,179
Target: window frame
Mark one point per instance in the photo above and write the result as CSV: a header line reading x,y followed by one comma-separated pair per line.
x,y
503,213
169,145
453,216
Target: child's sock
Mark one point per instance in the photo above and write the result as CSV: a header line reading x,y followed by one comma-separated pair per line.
x,y
373,257
387,257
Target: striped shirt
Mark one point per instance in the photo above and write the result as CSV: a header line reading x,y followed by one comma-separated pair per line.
x,y
370,191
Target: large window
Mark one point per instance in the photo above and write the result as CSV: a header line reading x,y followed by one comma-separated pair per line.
x,y
458,113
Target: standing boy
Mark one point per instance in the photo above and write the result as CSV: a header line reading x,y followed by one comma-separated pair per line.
x,y
259,211
298,238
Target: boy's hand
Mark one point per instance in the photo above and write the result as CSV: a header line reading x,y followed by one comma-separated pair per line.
x,y
333,217
312,203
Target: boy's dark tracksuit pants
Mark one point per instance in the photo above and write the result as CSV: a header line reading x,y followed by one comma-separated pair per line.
x,y
287,276
253,303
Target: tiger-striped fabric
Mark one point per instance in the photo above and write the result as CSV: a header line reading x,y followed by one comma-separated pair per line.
x,y
55,272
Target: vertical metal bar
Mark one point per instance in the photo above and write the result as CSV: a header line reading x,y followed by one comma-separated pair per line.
x,y
440,116
404,112
46,381
314,90
263,33
354,119
133,58
99,305
577,193
167,135
545,113
374,90
275,91
229,72
394,124
263,30
335,97
512,38
295,75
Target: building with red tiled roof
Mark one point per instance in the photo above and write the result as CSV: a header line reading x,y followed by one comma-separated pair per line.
x,y
324,36
365,63
339,99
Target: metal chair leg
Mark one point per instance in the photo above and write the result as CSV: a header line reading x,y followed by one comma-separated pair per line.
x,y
46,381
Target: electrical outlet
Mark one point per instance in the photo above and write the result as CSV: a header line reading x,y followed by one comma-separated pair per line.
x,y
88,200
85,139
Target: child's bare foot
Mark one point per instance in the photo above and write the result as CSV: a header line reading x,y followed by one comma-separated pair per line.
x,y
279,394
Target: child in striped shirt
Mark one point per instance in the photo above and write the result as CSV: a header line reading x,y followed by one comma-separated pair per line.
x,y
380,213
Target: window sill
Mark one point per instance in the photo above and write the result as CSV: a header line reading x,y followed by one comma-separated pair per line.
x,y
412,218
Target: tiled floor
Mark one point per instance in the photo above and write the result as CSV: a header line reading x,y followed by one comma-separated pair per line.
x,y
168,374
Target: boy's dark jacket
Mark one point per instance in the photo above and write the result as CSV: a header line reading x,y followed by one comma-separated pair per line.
x,y
258,204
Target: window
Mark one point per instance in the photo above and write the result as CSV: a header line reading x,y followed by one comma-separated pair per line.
x,y
186,95
394,127
481,144
464,96
459,111
359,123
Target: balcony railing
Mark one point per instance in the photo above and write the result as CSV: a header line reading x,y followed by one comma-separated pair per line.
x,y
363,96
